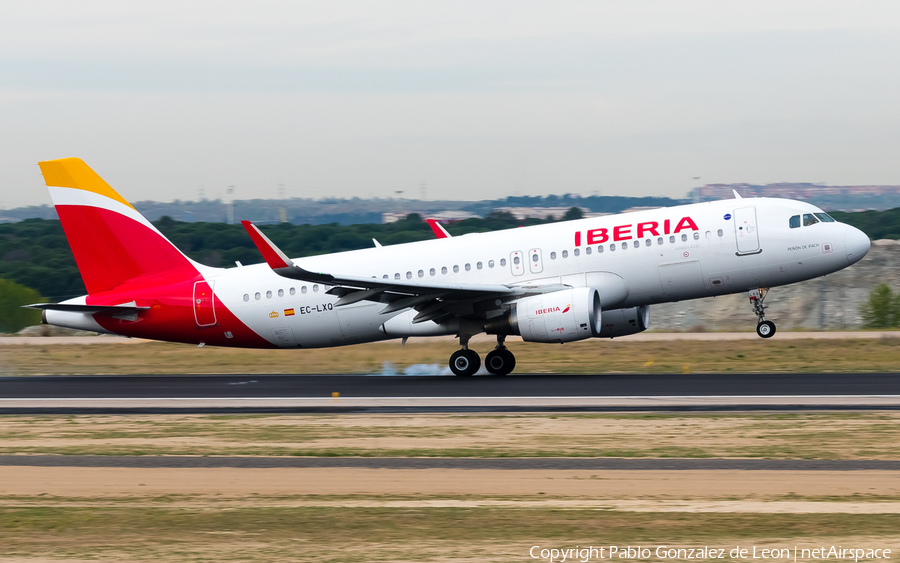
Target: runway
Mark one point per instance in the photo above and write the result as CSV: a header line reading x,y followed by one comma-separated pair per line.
x,y
359,393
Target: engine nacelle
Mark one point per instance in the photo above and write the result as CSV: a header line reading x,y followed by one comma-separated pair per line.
x,y
622,322
561,316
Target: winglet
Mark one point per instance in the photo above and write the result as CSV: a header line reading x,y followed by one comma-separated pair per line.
x,y
438,229
279,262
273,256
736,194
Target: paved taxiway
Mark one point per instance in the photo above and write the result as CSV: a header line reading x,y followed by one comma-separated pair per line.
x,y
528,463
339,393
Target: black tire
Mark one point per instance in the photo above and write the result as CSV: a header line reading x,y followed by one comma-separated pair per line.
x,y
500,362
465,362
766,329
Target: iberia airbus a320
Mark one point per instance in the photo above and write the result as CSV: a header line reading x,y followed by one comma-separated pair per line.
x,y
554,283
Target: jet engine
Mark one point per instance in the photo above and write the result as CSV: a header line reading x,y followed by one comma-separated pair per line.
x,y
561,316
622,322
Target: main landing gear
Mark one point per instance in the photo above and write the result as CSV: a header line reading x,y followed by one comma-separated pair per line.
x,y
764,328
466,362
500,361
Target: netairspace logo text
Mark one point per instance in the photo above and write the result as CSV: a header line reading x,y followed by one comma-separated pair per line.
x,y
796,553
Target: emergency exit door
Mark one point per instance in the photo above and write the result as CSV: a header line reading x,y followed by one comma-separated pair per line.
x,y
535,261
204,304
745,231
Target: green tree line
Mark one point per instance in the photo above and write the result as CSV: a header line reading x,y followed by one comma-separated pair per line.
x,y
34,252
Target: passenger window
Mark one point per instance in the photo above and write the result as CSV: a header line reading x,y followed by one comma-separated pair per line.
x,y
683,238
553,255
256,296
280,293
624,246
444,270
303,288
587,250
565,253
534,257
269,294
293,291
719,232
612,248
397,276
468,267
315,287
576,252
490,263
516,260
246,297
809,219
503,262
421,273
795,222
672,239
824,217
696,235
648,242
659,240
455,269
600,249
431,272
479,265
637,244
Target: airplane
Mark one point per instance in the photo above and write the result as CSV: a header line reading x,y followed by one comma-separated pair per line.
x,y
552,283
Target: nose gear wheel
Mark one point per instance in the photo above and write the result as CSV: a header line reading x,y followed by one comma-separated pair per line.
x,y
764,328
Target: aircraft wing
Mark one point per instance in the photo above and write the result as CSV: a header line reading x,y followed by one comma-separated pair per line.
x,y
399,294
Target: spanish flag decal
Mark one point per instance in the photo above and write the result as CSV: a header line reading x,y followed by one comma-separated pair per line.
x,y
288,312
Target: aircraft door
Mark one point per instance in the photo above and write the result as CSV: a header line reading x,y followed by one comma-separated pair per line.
x,y
535,261
516,263
745,231
204,304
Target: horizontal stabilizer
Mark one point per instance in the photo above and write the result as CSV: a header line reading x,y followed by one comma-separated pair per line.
x,y
73,308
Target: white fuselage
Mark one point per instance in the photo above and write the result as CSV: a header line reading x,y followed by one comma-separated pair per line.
x,y
737,245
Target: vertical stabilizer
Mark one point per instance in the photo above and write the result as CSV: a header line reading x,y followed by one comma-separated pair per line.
x,y
111,241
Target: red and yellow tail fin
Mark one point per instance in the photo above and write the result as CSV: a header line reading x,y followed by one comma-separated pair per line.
x,y
111,241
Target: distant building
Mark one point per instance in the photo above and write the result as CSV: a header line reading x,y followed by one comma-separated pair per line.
x,y
442,216
544,212
838,198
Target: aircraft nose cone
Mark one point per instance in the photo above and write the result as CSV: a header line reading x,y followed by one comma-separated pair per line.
x,y
857,244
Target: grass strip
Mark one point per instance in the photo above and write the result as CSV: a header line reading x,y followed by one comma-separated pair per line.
x,y
591,356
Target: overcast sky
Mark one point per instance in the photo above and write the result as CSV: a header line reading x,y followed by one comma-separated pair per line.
x,y
476,99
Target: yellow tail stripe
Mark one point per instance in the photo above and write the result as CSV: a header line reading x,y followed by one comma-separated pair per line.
x,y
74,173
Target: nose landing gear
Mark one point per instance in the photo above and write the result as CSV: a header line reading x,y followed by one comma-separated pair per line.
x,y
764,328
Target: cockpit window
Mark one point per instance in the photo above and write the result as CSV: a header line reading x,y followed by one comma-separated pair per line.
x,y
824,217
795,222
809,219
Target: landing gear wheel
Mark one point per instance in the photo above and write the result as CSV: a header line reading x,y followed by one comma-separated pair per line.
x,y
500,362
766,329
465,362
